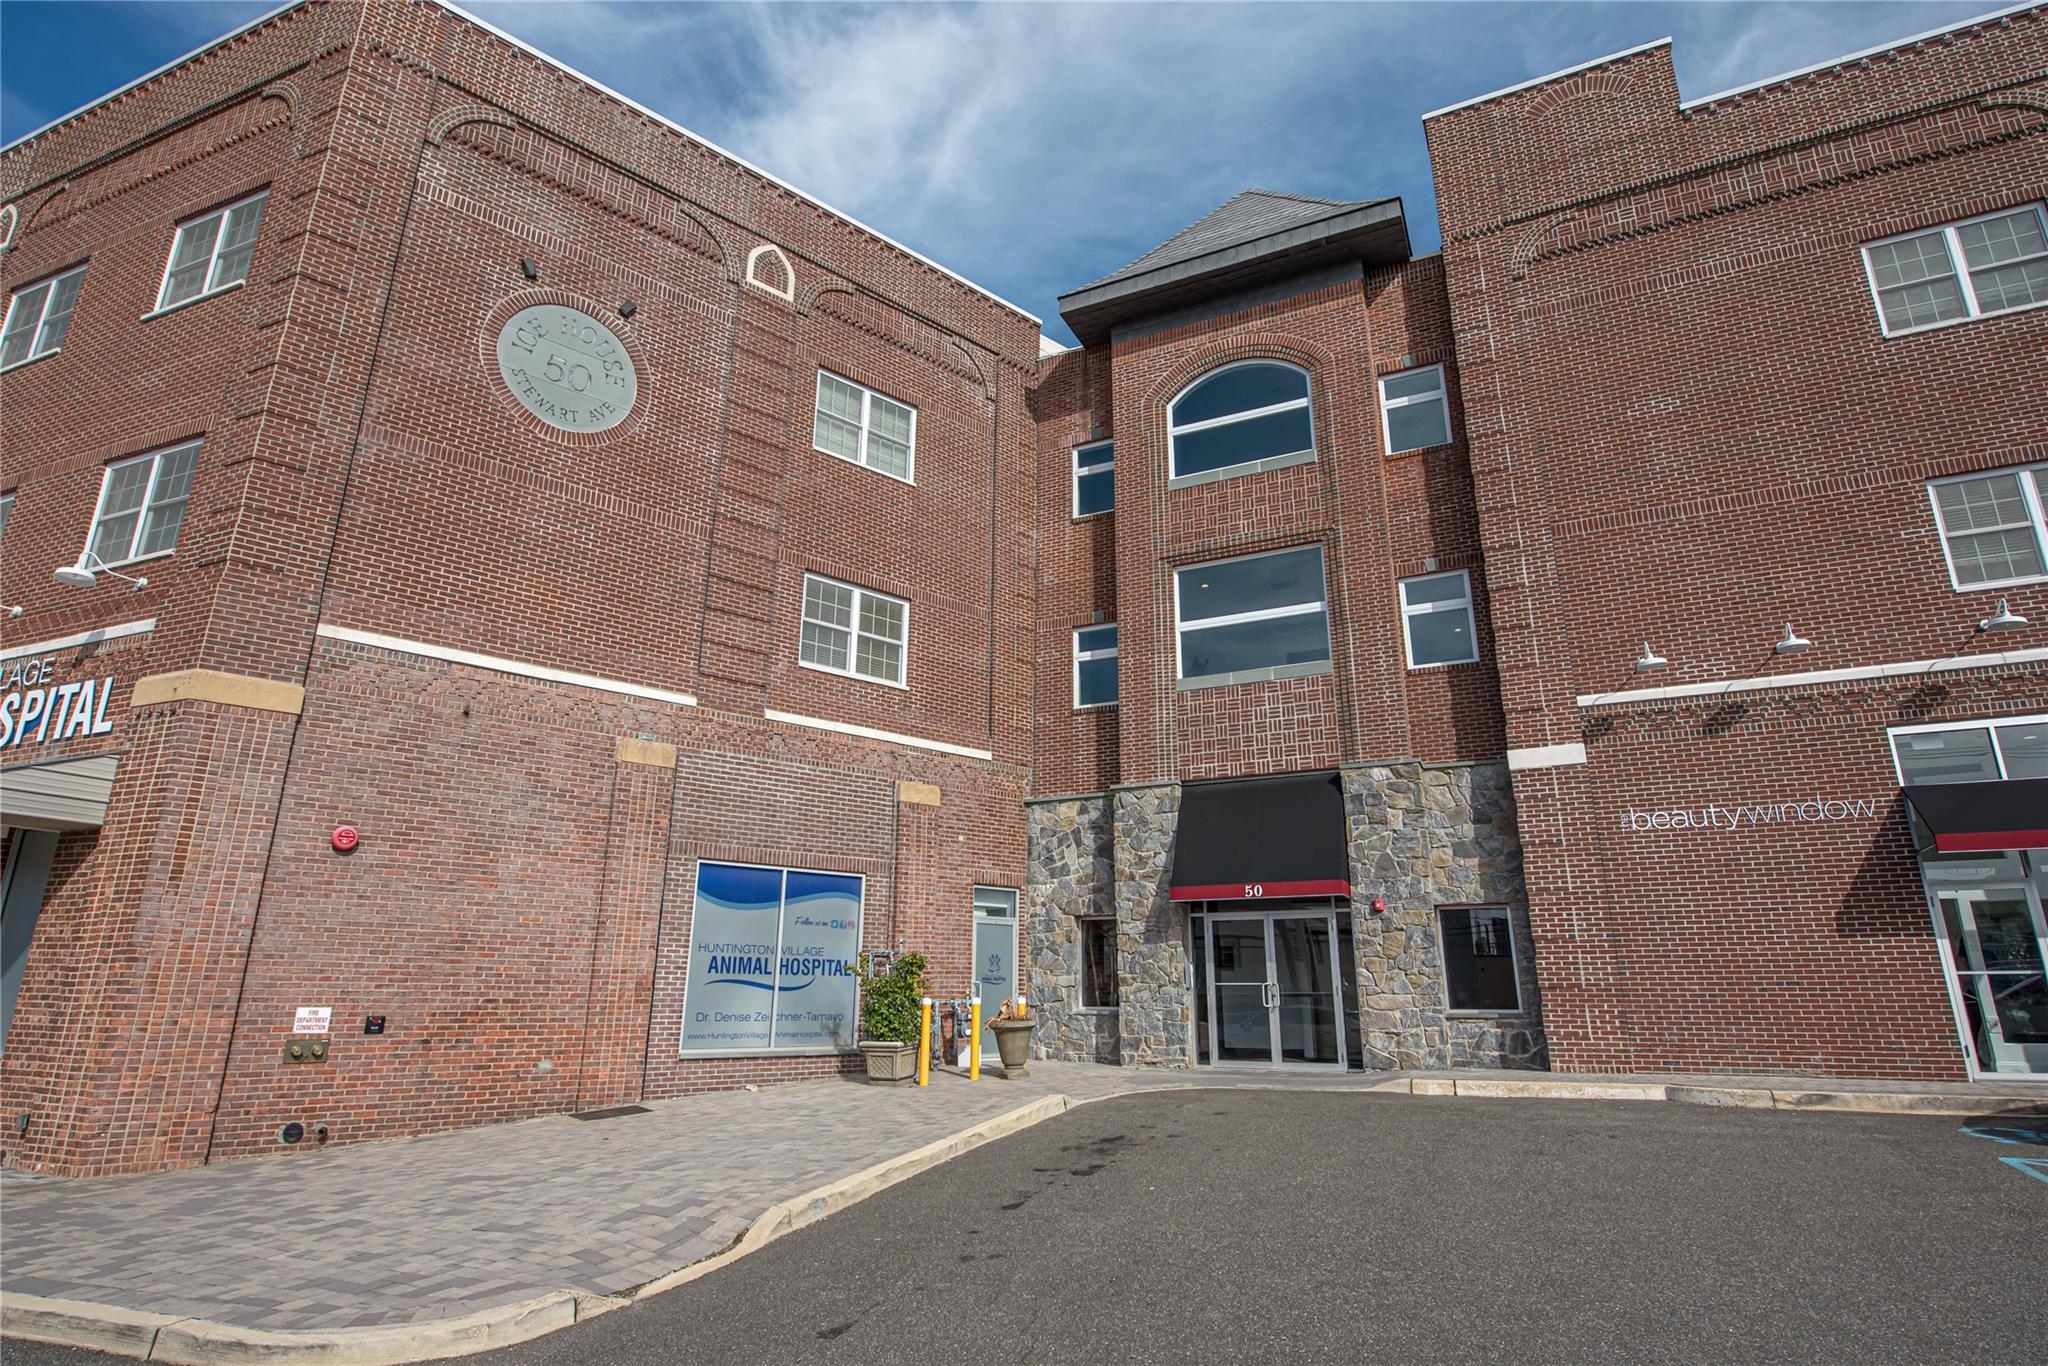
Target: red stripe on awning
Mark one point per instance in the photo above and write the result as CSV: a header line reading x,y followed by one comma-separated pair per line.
x,y
1990,841
1259,891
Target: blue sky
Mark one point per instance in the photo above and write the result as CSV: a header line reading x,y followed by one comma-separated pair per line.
x,y
1034,147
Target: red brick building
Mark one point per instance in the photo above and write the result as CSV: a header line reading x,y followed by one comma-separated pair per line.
x,y
498,661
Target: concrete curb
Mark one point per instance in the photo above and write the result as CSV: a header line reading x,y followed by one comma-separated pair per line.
x,y
202,1342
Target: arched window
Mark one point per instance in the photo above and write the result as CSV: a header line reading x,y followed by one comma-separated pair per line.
x,y
1252,415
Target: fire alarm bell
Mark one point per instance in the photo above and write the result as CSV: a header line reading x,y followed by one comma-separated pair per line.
x,y
345,838
1379,905
373,1024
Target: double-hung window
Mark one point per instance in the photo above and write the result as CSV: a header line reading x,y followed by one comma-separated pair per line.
x,y
1094,478
855,423
142,504
1260,616
1479,959
854,631
38,317
1414,410
1436,619
1992,264
1095,666
1992,527
1250,416
212,253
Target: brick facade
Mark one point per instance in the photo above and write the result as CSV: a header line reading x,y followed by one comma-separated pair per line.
x,y
546,673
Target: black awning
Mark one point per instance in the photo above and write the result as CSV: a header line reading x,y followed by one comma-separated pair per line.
x,y
1261,837
1971,818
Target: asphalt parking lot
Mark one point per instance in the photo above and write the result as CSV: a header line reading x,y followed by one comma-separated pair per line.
x,y
1242,1225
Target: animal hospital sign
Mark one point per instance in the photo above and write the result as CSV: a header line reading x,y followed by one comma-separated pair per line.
x,y
1746,817
34,708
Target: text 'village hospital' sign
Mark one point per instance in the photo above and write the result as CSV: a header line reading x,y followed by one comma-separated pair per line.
x,y
34,709
772,955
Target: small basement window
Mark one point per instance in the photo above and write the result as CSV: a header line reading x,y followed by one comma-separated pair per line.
x,y
1479,960
1098,963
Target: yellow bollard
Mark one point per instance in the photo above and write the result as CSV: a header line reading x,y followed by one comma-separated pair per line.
x,y
924,1042
974,1042
1023,1009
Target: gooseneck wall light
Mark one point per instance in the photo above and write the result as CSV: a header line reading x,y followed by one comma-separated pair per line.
x,y
1650,659
86,573
1791,643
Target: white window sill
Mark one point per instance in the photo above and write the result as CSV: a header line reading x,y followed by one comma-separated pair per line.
x,y
1098,1010
910,479
856,677
1078,517
1217,476
1266,675
1418,450
1516,1014
150,558
31,360
1093,706
1443,664
195,299
1925,328
1999,585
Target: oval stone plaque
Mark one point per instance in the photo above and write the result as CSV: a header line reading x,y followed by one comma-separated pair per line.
x,y
567,368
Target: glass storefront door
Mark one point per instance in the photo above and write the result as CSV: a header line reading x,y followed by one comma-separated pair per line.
x,y
1271,989
1993,939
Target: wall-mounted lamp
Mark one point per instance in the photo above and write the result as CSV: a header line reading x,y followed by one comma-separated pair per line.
x,y
528,269
13,612
83,575
1793,642
2004,619
628,309
1650,659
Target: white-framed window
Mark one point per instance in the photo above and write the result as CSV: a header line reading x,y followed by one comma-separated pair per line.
x,y
1253,617
1098,963
1415,410
142,505
1967,269
212,252
1095,666
857,424
1479,960
1247,416
6,511
1094,479
1993,530
1436,619
38,316
854,631
1971,751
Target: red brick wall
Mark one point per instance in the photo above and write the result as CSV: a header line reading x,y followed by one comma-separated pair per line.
x,y
520,903
1687,428
1378,519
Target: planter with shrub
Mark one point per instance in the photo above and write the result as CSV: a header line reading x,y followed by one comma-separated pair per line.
x,y
890,1019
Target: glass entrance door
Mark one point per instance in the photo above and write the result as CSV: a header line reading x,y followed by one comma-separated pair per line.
x,y
1272,989
1994,938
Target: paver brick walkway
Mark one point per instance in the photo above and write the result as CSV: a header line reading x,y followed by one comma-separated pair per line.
x,y
438,1227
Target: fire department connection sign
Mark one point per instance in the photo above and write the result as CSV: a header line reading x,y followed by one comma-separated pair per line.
x,y
567,368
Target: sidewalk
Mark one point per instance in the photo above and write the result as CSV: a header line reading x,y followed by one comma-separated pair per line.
x,y
522,1228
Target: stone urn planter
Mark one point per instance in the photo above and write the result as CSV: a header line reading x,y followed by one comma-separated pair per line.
x,y
1013,1043
890,1064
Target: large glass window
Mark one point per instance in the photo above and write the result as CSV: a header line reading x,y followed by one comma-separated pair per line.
x,y
1094,478
1414,410
855,423
1479,959
1098,963
1972,753
1251,415
854,631
1436,614
772,954
212,253
1992,527
1095,666
1992,264
38,317
1260,616
142,505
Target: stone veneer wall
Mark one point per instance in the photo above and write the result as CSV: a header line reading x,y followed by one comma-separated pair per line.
x,y
1071,872
1424,836
1156,1022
